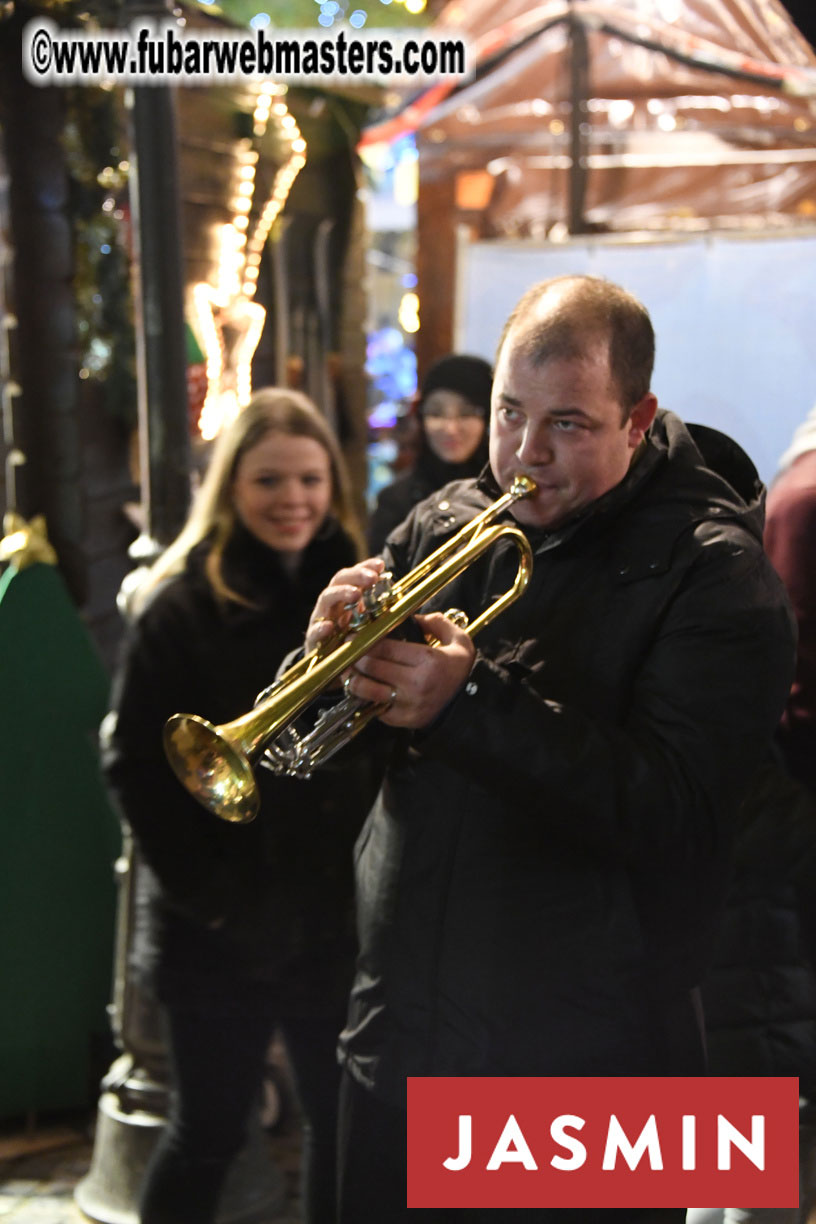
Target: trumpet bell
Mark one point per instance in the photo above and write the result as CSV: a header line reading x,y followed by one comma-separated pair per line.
x,y
213,770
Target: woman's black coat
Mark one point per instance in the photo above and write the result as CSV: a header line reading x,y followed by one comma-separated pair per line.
x,y
396,501
267,906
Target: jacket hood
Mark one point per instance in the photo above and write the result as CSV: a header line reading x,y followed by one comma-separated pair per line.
x,y
706,471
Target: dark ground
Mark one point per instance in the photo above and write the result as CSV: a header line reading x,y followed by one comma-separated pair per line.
x,y
42,1160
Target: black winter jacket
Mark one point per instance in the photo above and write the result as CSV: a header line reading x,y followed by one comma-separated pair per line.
x,y
759,995
265,907
538,879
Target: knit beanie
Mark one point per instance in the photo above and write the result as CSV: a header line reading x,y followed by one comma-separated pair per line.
x,y
471,377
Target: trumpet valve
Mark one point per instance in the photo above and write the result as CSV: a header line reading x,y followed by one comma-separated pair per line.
x,y
373,600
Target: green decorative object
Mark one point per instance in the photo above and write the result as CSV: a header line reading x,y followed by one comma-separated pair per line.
x,y
60,840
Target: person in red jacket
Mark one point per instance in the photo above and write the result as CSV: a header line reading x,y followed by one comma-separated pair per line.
x,y
790,541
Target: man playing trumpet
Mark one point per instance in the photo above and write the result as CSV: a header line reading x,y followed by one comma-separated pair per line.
x,y
539,877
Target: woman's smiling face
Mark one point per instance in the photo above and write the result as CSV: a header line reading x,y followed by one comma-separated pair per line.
x,y
282,490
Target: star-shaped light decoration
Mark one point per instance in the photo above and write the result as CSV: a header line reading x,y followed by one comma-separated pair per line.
x,y
229,322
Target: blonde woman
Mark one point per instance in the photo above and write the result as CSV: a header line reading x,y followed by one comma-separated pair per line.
x,y
250,926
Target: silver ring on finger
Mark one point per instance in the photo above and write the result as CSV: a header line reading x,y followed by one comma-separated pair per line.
x,y
347,687
392,698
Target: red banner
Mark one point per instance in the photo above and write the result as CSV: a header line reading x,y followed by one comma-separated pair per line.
x,y
603,1142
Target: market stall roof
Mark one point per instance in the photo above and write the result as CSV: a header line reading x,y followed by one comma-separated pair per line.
x,y
689,113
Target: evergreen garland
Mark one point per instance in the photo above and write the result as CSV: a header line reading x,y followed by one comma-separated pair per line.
x,y
96,155
96,152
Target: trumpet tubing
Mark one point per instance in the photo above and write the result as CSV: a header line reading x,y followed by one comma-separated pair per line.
x,y
215,763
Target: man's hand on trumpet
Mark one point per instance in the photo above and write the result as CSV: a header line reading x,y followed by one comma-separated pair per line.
x,y
336,603
414,681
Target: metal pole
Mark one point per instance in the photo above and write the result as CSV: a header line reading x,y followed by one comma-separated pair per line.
x,y
164,441
579,91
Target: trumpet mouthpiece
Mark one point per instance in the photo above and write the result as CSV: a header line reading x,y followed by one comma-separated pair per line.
x,y
522,486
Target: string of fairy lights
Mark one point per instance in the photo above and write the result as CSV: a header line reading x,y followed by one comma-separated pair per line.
x,y
227,306
228,322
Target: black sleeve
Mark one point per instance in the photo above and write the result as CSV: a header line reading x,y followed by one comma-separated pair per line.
x,y
196,857
382,521
775,837
706,697
395,504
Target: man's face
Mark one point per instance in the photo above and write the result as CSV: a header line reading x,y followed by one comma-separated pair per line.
x,y
562,424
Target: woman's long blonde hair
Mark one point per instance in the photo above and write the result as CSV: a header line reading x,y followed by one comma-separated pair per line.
x,y
270,410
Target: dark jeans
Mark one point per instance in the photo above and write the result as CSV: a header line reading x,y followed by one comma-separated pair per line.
x,y
372,1153
217,1066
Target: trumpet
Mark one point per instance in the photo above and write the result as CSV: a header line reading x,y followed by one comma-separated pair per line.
x,y
215,763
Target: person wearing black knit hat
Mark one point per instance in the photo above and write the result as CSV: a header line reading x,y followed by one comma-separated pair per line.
x,y
452,410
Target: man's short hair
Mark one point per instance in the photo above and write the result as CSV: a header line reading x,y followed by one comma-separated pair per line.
x,y
589,308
